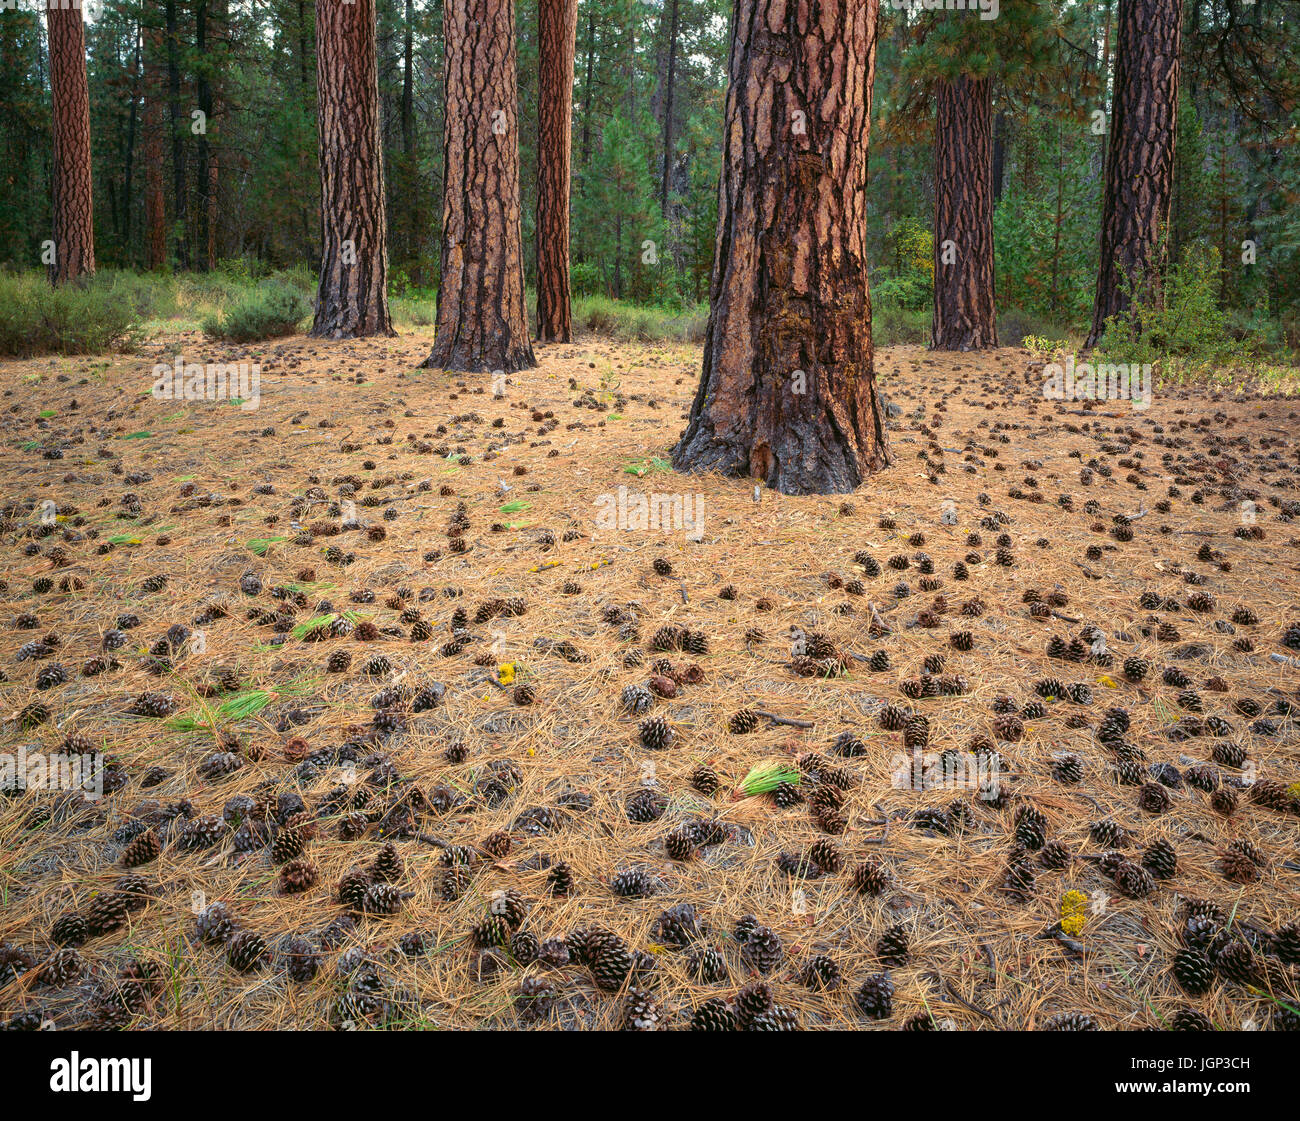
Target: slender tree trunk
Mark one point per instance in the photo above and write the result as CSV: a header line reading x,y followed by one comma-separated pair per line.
x,y
557,33
788,394
964,314
203,152
584,163
412,223
155,204
1140,158
352,298
132,130
668,108
999,154
180,185
482,320
220,15
74,212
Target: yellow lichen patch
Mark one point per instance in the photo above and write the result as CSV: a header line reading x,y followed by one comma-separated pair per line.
x,y
1074,912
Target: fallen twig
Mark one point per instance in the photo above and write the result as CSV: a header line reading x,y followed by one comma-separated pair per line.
x,y
788,721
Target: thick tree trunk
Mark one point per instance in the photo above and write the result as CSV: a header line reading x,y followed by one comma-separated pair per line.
x,y
557,34
787,393
352,298
155,204
74,212
1140,157
482,320
964,314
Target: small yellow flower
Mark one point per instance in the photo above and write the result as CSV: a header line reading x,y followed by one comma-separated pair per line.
x,y
506,673
1108,682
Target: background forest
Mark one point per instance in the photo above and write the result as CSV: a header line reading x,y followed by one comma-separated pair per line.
x,y
204,135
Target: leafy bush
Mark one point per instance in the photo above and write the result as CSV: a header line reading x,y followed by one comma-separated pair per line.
x,y
1017,325
36,318
1181,330
584,279
269,310
893,325
638,323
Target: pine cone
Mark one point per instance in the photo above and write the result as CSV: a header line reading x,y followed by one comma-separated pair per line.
x,y
763,949
713,1015
875,997
892,947
246,951
144,848
1070,1021
1193,970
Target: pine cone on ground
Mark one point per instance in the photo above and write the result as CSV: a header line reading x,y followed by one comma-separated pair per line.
x,y
892,947
713,1015
875,997
246,951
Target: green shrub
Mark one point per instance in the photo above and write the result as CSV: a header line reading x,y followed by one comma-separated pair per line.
x,y
36,318
584,279
640,323
1182,331
1017,324
269,310
893,325
414,310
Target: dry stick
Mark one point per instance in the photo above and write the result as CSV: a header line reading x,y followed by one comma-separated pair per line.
x,y
946,986
877,821
788,721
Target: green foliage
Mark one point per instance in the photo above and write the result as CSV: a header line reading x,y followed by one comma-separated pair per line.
x,y
630,322
894,325
584,279
1045,227
36,318
270,310
1182,329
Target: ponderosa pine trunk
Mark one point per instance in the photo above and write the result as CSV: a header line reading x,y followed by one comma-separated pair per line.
x,y
352,297
788,394
155,199
74,211
1140,158
482,319
557,35
965,316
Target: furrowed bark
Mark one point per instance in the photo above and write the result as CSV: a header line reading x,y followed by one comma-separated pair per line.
x,y
964,315
557,35
74,210
788,394
352,297
482,320
1140,158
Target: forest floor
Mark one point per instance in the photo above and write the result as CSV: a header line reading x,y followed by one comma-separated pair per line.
x,y
165,506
